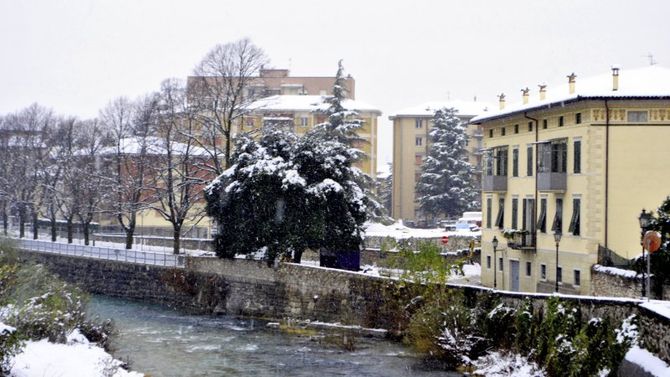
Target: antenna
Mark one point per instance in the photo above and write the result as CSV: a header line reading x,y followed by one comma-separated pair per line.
x,y
650,56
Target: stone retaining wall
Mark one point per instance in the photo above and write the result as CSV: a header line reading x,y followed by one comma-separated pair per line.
x,y
245,287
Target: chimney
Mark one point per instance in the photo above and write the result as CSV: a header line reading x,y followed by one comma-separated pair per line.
x,y
501,100
543,91
525,96
615,78
571,82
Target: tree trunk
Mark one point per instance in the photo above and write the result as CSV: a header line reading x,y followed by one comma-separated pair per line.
x,y
177,241
53,229
129,238
35,226
297,256
22,221
70,230
5,222
85,230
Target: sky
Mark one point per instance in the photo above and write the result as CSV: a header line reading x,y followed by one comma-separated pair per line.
x,y
76,55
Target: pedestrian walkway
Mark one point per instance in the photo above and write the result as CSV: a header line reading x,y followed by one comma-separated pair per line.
x,y
121,255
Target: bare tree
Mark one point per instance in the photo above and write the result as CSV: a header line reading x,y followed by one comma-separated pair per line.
x,y
178,175
218,92
94,184
130,126
28,132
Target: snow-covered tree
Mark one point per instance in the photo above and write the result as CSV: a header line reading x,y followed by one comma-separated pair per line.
x,y
445,186
259,202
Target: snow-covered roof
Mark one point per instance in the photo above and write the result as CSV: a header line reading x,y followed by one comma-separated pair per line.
x,y
648,82
155,146
305,103
427,109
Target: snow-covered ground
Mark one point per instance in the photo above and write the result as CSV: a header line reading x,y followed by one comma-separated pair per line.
x,y
76,358
400,231
648,362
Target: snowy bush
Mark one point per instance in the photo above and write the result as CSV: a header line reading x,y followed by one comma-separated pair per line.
x,y
498,324
10,344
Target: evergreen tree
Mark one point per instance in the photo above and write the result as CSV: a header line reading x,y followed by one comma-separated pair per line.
x,y
445,186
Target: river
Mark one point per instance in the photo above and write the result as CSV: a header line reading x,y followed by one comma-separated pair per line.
x,y
164,343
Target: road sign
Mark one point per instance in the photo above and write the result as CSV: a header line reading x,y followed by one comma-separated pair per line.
x,y
651,241
445,240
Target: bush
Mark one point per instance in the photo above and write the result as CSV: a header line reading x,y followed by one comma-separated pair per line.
x,y
10,344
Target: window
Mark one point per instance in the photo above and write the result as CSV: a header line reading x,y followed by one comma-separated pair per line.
x,y
574,221
528,222
544,124
502,131
542,220
557,225
488,262
491,133
577,156
418,124
501,161
578,118
500,264
560,121
515,212
418,141
501,213
488,212
515,162
250,122
516,128
418,159
488,163
529,160
530,126
559,275
529,270
553,156
543,271
578,278
304,121
637,116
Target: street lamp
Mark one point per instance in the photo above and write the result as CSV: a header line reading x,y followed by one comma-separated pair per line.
x,y
494,242
557,238
645,221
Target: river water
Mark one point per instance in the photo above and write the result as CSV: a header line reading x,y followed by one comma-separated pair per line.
x,y
163,343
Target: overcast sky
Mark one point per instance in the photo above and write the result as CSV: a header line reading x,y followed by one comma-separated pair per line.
x,y
76,55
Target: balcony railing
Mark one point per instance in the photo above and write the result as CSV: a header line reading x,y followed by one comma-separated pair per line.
x,y
549,181
494,183
522,241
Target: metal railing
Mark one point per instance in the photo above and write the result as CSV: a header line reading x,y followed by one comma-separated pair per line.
x,y
122,255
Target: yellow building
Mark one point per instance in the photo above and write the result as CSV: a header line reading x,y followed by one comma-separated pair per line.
x,y
411,144
583,159
300,113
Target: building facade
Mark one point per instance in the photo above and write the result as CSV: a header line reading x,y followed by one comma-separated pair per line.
x,y
300,113
582,160
411,144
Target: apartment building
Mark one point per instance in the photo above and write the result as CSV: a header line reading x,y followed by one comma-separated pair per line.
x,y
581,159
300,113
411,144
272,82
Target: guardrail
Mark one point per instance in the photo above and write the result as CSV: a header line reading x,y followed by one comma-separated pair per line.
x,y
122,255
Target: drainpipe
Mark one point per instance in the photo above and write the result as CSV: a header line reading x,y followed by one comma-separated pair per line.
x,y
607,180
537,135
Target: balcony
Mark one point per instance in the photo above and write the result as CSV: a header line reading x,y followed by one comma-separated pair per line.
x,y
494,183
550,181
521,240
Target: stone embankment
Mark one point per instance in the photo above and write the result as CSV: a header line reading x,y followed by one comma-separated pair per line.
x,y
244,287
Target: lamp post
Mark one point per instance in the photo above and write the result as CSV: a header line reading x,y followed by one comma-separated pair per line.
x,y
557,238
494,242
645,220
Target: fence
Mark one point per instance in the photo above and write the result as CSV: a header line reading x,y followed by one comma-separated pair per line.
x,y
122,255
